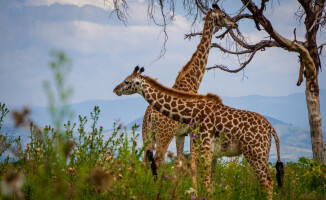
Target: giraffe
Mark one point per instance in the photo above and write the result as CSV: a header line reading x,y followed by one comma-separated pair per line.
x,y
244,132
188,79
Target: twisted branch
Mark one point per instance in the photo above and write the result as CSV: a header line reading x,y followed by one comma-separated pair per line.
x,y
259,46
224,68
215,45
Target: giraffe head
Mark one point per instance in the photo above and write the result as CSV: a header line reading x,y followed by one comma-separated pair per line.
x,y
131,84
220,19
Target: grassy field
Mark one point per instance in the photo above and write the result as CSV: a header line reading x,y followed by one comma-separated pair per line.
x,y
56,165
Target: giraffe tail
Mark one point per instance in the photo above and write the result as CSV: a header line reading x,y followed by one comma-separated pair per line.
x,y
279,164
279,173
150,158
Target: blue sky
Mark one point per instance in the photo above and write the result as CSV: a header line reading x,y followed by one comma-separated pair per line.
x,y
104,51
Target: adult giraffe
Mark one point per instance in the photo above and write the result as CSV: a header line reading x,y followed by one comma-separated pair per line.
x,y
188,79
238,131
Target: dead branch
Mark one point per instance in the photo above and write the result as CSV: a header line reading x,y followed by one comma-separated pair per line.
x,y
221,36
201,7
224,68
295,35
263,5
241,42
242,16
300,79
120,8
259,46
284,42
215,45
318,17
320,47
188,36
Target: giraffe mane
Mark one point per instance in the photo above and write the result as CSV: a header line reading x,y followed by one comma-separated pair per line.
x,y
182,94
189,63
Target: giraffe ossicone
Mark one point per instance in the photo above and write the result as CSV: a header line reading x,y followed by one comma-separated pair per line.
x,y
248,132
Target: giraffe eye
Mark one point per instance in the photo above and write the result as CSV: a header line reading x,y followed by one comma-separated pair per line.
x,y
126,82
137,83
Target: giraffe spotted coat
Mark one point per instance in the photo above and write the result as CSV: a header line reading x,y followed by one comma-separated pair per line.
x,y
245,132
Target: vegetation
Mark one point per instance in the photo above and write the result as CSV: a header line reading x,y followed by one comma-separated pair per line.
x,y
59,166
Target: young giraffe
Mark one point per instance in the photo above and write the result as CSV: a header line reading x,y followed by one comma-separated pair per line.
x,y
245,132
188,79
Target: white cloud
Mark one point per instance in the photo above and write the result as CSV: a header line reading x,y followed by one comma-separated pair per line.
x,y
297,149
98,3
104,53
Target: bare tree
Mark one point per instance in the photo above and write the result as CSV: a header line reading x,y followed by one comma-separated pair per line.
x,y
312,11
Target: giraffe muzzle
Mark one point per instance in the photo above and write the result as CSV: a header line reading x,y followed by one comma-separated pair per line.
x,y
117,92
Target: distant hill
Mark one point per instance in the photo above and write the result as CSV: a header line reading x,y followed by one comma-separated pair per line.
x,y
291,109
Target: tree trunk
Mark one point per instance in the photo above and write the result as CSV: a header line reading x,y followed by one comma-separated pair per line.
x,y
314,116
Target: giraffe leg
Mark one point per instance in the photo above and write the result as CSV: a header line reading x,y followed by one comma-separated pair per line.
x,y
206,155
150,147
193,161
216,155
260,167
214,162
162,145
180,140
146,133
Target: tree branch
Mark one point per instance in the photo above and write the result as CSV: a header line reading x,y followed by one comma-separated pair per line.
x,y
259,46
188,36
318,17
307,6
240,41
283,42
242,16
300,79
221,36
215,45
224,68
201,7
320,47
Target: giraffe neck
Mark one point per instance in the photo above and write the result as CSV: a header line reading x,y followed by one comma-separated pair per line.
x,y
190,76
180,106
